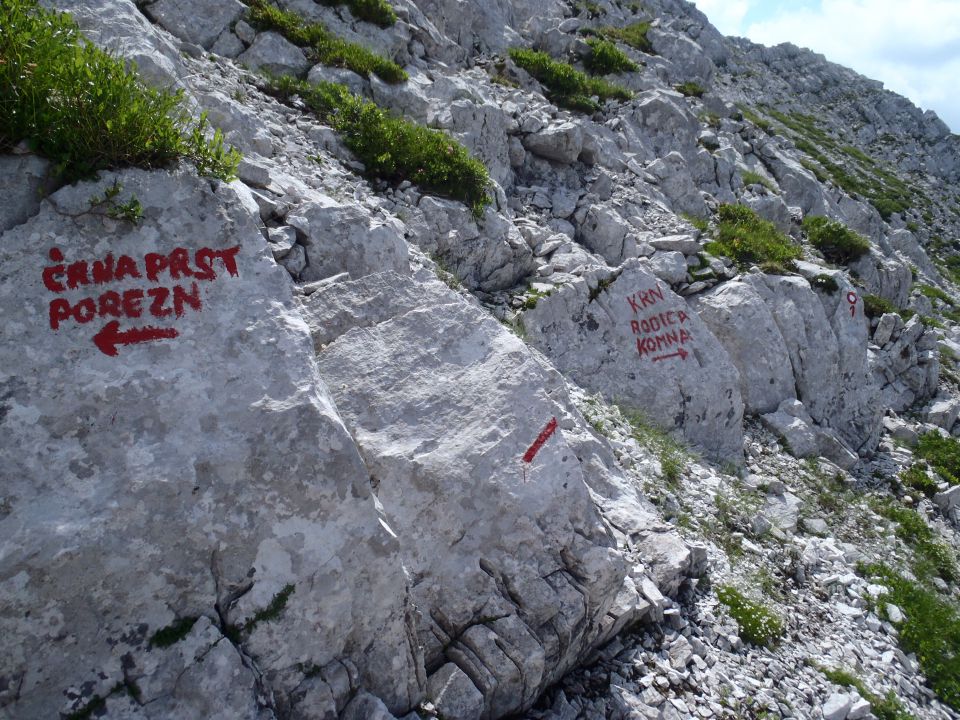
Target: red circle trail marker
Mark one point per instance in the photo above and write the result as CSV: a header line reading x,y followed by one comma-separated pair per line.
x,y
852,299
110,336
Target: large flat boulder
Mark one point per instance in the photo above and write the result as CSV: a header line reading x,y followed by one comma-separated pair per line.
x,y
170,454
463,431
640,344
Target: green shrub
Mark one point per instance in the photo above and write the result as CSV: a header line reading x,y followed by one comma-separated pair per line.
x,y
758,625
931,557
378,12
756,119
943,454
931,630
752,178
826,283
322,45
392,148
606,58
747,238
83,109
837,242
874,306
916,478
566,85
690,89
634,35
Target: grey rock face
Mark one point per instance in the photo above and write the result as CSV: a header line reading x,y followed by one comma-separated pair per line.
x,y
639,343
445,404
562,142
743,323
188,22
794,425
177,453
22,181
272,53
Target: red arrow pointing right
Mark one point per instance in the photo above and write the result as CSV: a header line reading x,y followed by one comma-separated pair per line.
x,y
110,336
681,353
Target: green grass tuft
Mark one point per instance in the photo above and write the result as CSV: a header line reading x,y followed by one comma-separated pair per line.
x,y
932,558
566,85
173,633
378,12
606,58
634,35
874,306
916,478
391,148
673,456
758,625
743,235
324,47
752,178
935,293
690,89
84,110
883,708
825,283
837,242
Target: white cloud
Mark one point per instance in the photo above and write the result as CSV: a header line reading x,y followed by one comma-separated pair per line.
x,y
725,15
914,49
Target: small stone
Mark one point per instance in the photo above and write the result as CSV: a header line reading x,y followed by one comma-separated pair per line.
x,y
837,706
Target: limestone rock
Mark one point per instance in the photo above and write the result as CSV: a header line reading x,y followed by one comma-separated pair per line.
x,y
794,425
23,178
204,447
743,323
454,695
186,21
638,342
562,142
272,53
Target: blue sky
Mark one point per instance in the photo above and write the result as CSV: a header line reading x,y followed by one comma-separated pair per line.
x,y
913,48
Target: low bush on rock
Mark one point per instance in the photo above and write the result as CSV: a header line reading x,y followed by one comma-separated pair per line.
x,y
606,58
322,45
753,178
875,306
566,85
883,708
84,110
378,12
837,242
391,148
758,625
932,558
916,478
743,235
935,293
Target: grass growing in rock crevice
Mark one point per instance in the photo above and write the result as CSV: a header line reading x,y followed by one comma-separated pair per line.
x,y
837,242
634,35
673,456
883,708
565,85
943,454
378,12
84,110
322,45
748,239
391,148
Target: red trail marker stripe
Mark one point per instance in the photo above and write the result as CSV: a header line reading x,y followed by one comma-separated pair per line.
x,y
541,440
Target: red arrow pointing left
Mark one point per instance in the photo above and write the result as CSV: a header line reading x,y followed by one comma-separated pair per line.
x,y
110,336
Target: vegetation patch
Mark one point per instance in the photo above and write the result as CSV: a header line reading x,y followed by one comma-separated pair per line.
x,y
875,306
758,624
824,283
634,35
84,110
931,630
838,243
565,85
943,454
935,293
743,235
883,708
690,89
756,119
322,45
916,478
606,58
672,454
391,148
378,12
753,178
173,633
931,557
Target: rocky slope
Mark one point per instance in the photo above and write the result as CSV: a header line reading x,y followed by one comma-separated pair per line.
x,y
311,444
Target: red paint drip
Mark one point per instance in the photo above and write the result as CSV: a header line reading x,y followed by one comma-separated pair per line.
x,y
110,336
541,440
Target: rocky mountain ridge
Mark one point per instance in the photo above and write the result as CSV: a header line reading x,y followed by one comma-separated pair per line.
x,y
272,455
